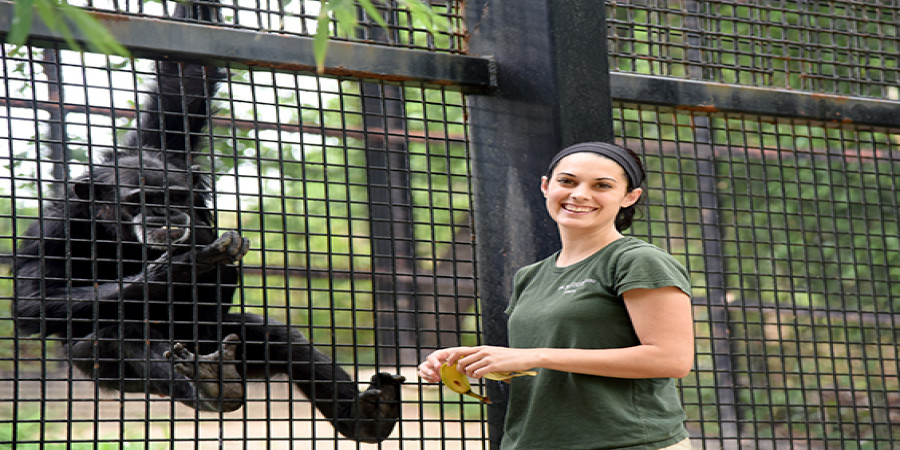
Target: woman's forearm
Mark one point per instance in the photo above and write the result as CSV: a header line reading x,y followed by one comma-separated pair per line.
x,y
641,361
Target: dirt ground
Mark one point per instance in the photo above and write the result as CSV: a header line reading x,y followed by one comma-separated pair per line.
x,y
274,417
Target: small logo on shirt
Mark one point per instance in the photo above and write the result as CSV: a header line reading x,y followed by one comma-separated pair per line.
x,y
572,287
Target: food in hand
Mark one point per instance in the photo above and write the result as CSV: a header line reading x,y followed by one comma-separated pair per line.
x,y
459,382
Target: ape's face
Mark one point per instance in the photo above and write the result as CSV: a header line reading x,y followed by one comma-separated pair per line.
x,y
158,216
151,206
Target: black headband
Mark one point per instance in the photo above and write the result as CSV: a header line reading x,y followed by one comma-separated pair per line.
x,y
611,151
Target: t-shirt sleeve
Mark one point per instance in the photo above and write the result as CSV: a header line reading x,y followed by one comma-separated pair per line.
x,y
650,268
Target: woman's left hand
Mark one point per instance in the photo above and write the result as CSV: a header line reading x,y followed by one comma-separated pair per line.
x,y
485,359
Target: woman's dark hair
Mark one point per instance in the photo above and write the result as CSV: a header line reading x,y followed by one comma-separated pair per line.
x,y
626,215
634,174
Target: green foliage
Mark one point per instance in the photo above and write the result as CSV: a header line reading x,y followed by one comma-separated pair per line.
x,y
813,369
342,16
59,16
335,16
31,429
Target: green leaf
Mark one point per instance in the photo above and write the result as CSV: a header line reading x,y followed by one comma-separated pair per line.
x,y
95,33
344,12
57,17
344,18
430,19
320,41
372,12
21,23
49,12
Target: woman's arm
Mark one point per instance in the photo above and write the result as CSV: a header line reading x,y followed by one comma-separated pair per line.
x,y
663,323
661,318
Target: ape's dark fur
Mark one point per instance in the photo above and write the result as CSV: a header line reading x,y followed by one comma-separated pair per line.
x,y
129,271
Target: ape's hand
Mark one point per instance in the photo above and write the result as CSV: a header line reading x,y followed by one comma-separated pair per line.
x,y
227,249
377,410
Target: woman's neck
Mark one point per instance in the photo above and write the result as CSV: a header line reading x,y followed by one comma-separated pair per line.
x,y
577,247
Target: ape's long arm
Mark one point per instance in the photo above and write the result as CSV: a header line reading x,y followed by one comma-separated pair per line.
x,y
183,94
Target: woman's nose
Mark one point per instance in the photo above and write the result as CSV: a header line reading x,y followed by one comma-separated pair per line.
x,y
579,194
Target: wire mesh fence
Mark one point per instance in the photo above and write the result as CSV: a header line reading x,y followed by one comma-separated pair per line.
x,y
353,196
791,221
834,47
790,229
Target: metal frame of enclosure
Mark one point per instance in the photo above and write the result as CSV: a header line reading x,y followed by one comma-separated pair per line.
x,y
391,198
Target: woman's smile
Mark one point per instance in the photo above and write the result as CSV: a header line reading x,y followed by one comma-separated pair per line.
x,y
577,209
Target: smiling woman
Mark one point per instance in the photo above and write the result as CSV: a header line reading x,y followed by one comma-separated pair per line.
x,y
627,164
606,321
586,194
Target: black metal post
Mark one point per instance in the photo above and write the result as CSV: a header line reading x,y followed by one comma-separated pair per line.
x,y
59,152
720,321
552,89
390,216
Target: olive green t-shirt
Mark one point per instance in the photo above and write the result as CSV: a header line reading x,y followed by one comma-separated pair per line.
x,y
581,306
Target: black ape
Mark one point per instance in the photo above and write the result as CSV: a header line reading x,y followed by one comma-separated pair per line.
x,y
129,271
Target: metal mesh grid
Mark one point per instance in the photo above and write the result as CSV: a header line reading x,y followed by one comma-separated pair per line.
x,y
355,198
790,229
835,47
300,17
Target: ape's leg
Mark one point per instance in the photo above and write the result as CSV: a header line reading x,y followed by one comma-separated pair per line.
x,y
214,376
367,416
135,361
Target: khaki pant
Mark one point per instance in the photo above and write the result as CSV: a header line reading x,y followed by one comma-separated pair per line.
x,y
683,445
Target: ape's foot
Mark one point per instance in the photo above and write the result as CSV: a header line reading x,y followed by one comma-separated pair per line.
x,y
376,411
218,384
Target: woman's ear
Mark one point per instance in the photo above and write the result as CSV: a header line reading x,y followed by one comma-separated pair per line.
x,y
545,185
632,197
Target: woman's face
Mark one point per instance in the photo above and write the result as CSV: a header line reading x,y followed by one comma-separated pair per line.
x,y
586,191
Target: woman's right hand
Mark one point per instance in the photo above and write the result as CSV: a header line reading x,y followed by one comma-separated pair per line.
x,y
430,369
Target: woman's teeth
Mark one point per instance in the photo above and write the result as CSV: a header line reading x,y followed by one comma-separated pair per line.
x,y
574,208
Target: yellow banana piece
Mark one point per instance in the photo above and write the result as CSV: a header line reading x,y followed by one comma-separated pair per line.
x,y
458,382
503,376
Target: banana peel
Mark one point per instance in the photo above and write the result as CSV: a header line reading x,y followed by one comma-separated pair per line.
x,y
503,376
458,382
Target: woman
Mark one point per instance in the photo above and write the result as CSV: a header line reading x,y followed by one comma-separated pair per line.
x,y
606,321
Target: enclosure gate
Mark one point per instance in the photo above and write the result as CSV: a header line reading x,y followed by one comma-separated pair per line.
x,y
771,132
